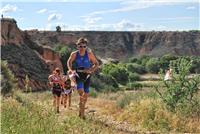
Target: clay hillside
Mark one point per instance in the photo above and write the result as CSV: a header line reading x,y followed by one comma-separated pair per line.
x,y
120,45
30,52
25,57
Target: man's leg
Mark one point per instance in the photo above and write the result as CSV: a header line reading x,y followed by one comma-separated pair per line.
x,y
69,99
81,103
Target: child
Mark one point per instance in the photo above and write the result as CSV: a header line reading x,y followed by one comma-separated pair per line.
x,y
67,91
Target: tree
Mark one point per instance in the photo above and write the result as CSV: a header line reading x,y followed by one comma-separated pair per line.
x,y
58,29
8,81
181,89
153,65
27,84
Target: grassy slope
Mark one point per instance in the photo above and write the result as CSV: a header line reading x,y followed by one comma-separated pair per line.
x,y
33,113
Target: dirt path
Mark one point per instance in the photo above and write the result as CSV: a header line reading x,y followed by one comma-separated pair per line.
x,y
98,111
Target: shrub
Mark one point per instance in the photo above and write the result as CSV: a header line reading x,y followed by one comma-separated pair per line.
x,y
64,52
153,65
120,74
133,67
134,60
165,61
93,93
144,59
8,81
27,84
101,82
133,77
180,90
134,86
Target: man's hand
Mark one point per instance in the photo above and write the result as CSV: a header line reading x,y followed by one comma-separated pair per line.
x,y
88,71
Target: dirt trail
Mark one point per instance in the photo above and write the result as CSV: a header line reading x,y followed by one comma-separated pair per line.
x,y
97,111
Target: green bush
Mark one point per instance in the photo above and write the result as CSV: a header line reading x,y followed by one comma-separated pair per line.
x,y
101,82
8,81
181,90
133,67
134,86
134,60
107,67
120,74
144,59
93,93
165,61
195,68
64,52
133,77
153,65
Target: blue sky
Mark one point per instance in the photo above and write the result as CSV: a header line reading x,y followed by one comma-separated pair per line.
x,y
104,15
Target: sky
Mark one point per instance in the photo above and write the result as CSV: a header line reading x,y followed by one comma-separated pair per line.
x,y
104,15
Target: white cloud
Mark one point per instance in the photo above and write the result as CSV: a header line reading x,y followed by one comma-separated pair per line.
x,y
8,9
91,20
124,25
54,16
131,5
48,27
177,18
191,8
42,11
161,27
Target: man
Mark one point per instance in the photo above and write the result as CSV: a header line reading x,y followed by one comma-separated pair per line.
x,y
85,64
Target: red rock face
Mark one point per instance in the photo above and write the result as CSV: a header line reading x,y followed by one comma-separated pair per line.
x,y
52,59
10,34
26,58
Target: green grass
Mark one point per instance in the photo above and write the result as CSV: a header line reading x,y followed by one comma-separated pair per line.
x,y
21,116
33,113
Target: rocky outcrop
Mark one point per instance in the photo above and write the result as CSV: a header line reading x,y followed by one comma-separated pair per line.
x,y
10,34
51,58
120,45
25,57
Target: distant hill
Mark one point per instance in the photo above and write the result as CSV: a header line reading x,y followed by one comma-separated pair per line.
x,y
119,45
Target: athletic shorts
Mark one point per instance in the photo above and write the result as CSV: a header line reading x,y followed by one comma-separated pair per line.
x,y
57,92
83,84
67,91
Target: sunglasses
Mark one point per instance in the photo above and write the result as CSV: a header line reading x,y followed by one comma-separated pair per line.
x,y
82,46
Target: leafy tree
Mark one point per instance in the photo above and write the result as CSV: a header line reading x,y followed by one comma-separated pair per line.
x,y
181,89
58,29
133,77
8,81
153,65
133,67
64,52
118,72
27,84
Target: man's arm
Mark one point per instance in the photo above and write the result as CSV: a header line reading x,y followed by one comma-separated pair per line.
x,y
94,61
70,60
